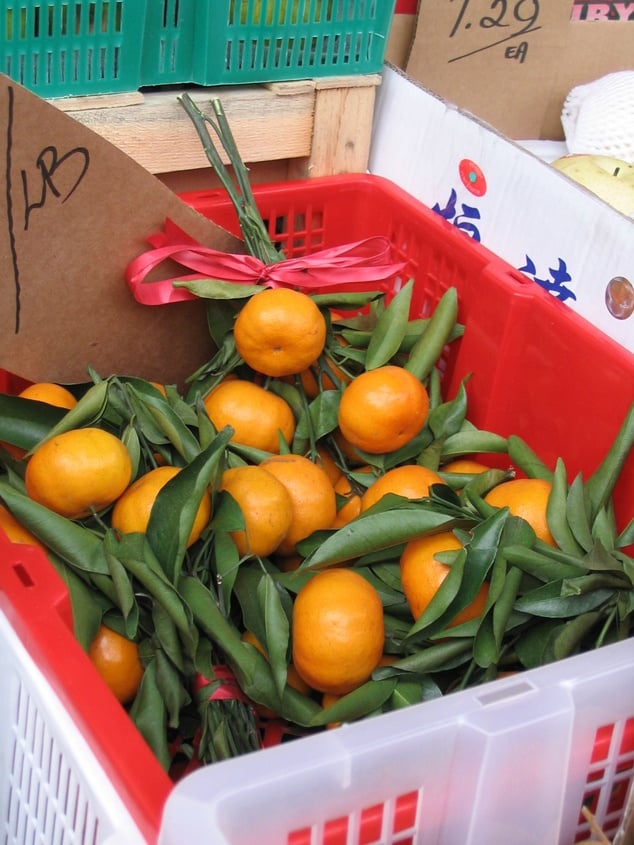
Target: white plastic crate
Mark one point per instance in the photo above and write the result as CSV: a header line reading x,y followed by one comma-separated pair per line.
x,y
509,762
52,789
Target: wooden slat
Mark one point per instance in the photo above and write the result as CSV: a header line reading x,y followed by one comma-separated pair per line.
x,y
342,131
158,134
317,126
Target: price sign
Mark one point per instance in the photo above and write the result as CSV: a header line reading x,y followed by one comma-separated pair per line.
x,y
496,58
491,24
74,211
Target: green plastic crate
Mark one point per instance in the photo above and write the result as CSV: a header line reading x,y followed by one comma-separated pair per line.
x,y
170,41
228,42
63,48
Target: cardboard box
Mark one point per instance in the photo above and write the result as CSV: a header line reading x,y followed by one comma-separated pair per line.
x,y
558,233
512,64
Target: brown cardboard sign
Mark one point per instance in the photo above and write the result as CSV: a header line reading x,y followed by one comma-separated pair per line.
x,y
512,64
75,211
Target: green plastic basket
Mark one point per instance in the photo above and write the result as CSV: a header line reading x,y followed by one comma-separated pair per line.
x,y
170,41
63,48
228,42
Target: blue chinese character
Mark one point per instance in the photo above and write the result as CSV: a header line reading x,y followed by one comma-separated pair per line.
x,y
558,277
460,220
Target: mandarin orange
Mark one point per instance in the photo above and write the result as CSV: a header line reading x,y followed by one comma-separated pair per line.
x,y
78,471
337,631
422,574
257,416
279,332
312,496
412,481
528,499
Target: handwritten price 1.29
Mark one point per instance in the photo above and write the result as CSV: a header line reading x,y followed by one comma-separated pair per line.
x,y
502,20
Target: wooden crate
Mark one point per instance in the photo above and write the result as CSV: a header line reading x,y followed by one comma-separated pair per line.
x,y
283,130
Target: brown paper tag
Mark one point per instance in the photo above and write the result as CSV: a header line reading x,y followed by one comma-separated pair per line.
x,y
75,211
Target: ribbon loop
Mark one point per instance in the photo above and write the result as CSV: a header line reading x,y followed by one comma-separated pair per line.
x,y
359,266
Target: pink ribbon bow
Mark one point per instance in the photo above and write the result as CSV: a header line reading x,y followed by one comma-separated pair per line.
x,y
359,266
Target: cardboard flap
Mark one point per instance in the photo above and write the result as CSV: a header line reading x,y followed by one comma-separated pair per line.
x,y
513,64
76,211
546,226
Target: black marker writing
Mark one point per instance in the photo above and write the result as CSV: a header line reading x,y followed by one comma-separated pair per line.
x,y
49,163
517,18
14,254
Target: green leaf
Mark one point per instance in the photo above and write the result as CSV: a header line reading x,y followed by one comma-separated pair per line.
x,y
389,574
526,460
556,512
346,301
248,593
390,329
130,439
375,530
604,527
161,423
391,597
222,363
548,601
87,411
578,514
165,633
406,694
599,559
227,514
170,686
470,442
177,503
479,484
217,288
533,647
442,656
69,540
126,600
469,569
447,419
136,554
87,603
503,590
487,648
569,638
600,484
26,422
438,613
149,714
227,562
586,584
541,566
626,537
410,451
321,418
277,628
427,350
412,690
356,704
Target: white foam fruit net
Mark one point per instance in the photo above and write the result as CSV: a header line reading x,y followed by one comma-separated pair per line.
x,y
598,118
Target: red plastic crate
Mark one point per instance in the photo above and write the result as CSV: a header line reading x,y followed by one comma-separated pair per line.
x,y
538,370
